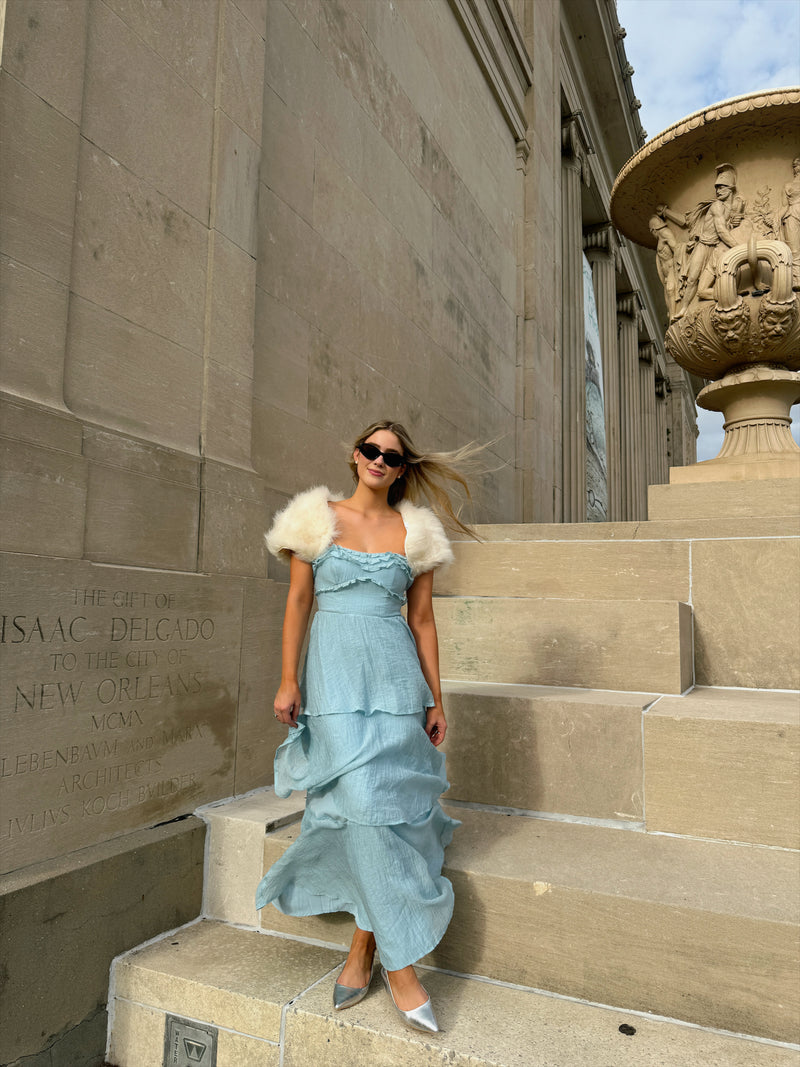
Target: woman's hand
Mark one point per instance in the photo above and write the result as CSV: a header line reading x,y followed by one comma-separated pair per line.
x,y
287,704
435,725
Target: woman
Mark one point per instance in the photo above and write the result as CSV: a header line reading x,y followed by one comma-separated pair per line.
x,y
367,716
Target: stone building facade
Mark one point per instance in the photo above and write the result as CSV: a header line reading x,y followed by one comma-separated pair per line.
x,y
233,232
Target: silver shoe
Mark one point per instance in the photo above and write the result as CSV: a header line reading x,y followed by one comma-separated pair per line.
x,y
345,996
421,1018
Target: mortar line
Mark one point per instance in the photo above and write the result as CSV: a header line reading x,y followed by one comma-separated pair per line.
x,y
722,841
206,864
282,1036
239,694
747,689
467,685
548,816
111,1007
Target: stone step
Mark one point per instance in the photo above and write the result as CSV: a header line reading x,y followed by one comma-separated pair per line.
x,y
725,763
266,1001
718,763
235,850
633,645
568,751
718,498
571,570
699,930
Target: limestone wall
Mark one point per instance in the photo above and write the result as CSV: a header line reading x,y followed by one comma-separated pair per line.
x,y
386,258
233,233
230,224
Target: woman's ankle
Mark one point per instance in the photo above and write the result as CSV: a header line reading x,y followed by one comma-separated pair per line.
x,y
363,943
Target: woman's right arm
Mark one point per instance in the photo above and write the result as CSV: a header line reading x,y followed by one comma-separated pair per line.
x,y
295,621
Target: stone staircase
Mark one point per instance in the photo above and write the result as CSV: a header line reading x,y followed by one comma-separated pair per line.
x,y
626,873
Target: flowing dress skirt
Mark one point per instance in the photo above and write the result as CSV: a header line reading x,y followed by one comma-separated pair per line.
x,y
373,835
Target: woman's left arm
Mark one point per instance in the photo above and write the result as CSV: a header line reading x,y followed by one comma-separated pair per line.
x,y
423,627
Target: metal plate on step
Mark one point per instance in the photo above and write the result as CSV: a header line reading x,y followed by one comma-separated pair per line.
x,y
188,1044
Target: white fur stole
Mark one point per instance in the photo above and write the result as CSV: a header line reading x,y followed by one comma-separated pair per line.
x,y
306,526
427,546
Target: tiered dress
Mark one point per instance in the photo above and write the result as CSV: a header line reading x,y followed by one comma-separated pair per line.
x,y
373,834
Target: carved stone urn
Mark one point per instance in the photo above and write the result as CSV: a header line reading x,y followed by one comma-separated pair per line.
x,y
718,198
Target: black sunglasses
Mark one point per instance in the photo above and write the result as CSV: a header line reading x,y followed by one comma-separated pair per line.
x,y
371,452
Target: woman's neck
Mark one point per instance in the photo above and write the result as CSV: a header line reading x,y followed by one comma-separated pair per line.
x,y
369,501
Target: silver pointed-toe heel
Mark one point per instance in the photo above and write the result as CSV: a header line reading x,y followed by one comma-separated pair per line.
x,y
421,1018
345,996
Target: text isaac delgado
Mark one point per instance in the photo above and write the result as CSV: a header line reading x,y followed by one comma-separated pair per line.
x,y
127,692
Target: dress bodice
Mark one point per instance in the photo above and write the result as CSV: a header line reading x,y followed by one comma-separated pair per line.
x,y
362,656
350,582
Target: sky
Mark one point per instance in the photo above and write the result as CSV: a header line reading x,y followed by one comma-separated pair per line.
x,y
687,54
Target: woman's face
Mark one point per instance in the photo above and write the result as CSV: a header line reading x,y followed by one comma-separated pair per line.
x,y
374,473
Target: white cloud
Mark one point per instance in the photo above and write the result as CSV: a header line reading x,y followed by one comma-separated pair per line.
x,y
688,54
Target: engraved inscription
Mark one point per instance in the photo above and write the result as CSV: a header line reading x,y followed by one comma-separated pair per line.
x,y
117,704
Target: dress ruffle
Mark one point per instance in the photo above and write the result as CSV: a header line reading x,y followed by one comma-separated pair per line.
x,y
381,770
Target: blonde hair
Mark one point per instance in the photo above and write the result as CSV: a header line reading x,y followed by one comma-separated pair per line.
x,y
426,474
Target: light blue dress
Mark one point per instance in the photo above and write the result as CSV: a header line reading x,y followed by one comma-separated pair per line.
x,y
373,834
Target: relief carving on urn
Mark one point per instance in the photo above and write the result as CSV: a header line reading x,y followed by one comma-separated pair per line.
x,y
729,263
733,249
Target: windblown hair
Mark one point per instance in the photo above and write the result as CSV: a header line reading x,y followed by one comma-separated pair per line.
x,y
426,474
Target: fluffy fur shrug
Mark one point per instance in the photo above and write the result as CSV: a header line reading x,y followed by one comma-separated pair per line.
x,y
306,526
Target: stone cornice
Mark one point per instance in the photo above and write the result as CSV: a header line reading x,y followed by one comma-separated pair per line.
x,y
494,37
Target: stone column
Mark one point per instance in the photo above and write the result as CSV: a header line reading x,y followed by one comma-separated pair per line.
x,y
628,313
647,425
662,390
574,169
681,417
601,246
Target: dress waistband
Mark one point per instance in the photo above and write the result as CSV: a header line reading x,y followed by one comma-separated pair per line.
x,y
380,610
